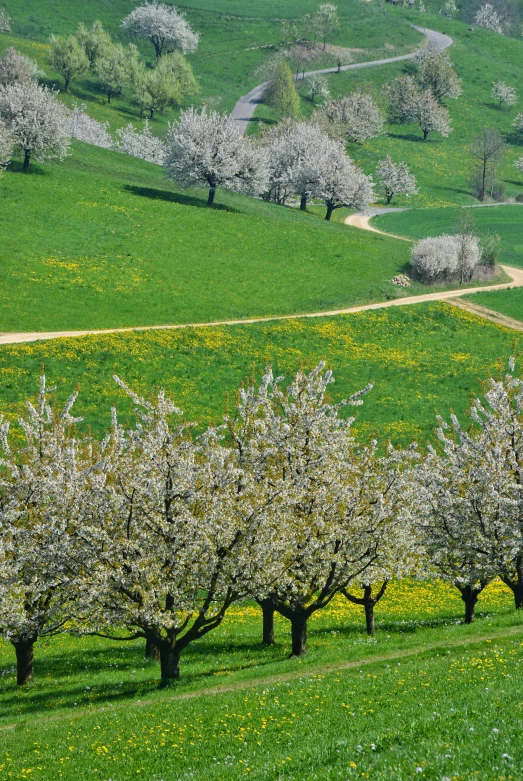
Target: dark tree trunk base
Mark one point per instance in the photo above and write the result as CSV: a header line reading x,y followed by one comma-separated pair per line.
x,y
170,665
303,203
27,158
152,651
299,634
267,607
212,193
24,650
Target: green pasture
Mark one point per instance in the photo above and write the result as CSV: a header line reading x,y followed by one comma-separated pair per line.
x,y
422,359
103,240
427,696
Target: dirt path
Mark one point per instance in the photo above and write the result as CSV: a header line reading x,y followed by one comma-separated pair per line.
x,y
244,109
362,221
272,680
515,274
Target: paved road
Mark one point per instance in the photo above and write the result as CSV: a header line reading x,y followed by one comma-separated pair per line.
x,y
246,106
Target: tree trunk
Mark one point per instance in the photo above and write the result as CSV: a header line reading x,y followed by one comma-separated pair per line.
x,y
267,607
516,586
108,97
158,50
299,634
469,595
330,209
169,664
212,193
151,650
66,84
24,660
425,134
303,203
151,111
27,158
369,616
389,198
483,181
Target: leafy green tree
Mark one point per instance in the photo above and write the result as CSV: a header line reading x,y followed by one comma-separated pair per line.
x,y
116,68
282,93
168,84
93,41
67,56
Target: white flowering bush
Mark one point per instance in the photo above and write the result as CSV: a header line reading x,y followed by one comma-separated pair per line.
x,y
162,25
84,128
16,68
357,114
488,18
503,94
140,143
6,147
446,258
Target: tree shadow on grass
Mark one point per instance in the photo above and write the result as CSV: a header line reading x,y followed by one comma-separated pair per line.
x,y
411,137
180,198
16,166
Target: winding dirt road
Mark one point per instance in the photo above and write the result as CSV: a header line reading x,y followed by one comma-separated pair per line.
x,y
244,109
515,274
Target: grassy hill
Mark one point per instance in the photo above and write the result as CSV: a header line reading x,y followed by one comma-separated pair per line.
x,y
102,240
441,165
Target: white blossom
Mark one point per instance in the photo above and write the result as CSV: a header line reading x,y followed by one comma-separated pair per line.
x,y
6,147
181,532
42,485
5,22
395,179
84,128
409,105
16,68
316,87
357,114
475,488
435,72
340,183
37,121
164,26
488,18
209,149
518,123
142,144
503,94
442,258
519,164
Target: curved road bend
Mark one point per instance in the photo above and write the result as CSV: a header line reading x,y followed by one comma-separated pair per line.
x,y
244,109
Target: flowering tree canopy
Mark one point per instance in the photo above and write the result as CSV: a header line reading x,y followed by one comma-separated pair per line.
x,y
16,68
395,179
6,147
357,115
37,121
445,257
5,22
503,94
208,149
41,509
162,25
476,490
84,128
488,18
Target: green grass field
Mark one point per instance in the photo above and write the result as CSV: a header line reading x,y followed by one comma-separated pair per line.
x,y
422,359
102,240
425,697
